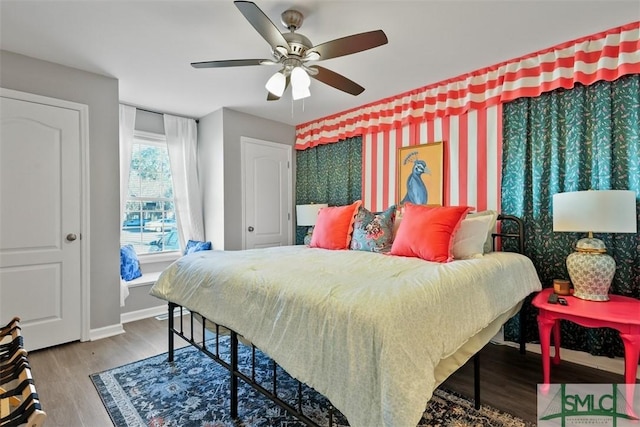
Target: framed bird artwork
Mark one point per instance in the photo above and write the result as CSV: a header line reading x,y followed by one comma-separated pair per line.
x,y
420,177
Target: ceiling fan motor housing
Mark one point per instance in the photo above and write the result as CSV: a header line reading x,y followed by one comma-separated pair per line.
x,y
298,44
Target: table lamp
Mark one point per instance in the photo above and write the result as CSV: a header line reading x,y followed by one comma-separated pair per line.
x,y
306,216
590,268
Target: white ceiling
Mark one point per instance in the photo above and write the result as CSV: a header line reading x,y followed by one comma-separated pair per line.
x,y
148,45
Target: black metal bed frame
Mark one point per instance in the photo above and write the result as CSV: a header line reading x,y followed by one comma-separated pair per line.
x,y
231,365
213,351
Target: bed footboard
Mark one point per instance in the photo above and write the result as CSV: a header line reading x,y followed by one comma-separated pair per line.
x,y
197,338
187,330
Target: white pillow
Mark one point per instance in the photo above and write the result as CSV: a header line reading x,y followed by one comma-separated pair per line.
x,y
470,238
488,244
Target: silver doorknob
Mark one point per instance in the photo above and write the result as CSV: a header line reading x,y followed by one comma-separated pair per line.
x,y
250,228
71,237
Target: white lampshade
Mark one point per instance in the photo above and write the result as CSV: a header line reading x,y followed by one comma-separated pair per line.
x,y
300,78
590,268
276,84
300,92
599,211
306,215
300,82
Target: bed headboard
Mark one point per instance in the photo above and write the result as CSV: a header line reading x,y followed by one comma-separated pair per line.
x,y
511,222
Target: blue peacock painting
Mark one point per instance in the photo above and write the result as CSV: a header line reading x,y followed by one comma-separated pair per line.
x,y
416,189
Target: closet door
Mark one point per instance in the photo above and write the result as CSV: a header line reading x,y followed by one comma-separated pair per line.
x,y
266,193
40,214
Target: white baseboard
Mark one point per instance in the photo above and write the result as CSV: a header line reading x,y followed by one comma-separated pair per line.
x,y
615,365
145,313
105,332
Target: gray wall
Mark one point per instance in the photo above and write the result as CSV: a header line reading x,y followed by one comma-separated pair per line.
x,y
100,93
211,175
220,172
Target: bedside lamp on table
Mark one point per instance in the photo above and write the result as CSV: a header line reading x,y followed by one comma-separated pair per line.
x,y
590,268
306,216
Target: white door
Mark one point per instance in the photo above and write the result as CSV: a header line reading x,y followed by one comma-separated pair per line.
x,y
266,169
40,214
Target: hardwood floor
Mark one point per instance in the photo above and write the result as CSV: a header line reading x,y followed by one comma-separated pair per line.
x,y
70,400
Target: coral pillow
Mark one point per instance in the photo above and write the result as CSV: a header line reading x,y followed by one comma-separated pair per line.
x,y
427,232
334,226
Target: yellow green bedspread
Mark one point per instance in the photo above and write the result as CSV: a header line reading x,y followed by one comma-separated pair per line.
x,y
364,329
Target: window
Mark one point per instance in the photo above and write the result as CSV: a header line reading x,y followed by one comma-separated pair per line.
x,y
150,221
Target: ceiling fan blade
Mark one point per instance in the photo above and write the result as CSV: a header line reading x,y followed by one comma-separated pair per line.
x,y
272,97
351,44
336,80
230,63
262,23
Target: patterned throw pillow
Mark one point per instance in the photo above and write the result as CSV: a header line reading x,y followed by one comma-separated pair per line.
x,y
129,264
196,246
373,231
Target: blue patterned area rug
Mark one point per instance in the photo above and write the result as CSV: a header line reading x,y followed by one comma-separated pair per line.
x,y
193,391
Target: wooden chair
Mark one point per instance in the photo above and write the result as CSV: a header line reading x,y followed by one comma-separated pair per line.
x,y
19,402
10,331
14,322
9,349
20,405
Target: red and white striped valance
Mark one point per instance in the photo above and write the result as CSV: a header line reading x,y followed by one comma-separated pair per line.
x,y
604,56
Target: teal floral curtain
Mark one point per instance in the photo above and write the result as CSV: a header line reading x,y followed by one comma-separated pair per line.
x,y
330,173
584,138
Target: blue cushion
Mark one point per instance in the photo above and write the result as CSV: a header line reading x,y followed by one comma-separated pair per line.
x,y
373,231
195,246
129,264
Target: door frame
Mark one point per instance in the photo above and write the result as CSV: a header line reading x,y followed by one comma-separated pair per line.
x,y
83,111
244,140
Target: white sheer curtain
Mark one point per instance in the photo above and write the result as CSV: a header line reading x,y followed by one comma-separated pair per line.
x,y
127,124
182,139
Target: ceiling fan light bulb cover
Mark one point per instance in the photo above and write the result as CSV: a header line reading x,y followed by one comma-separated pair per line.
x,y
300,78
276,84
300,92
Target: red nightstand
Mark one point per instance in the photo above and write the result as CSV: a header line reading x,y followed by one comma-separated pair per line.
x,y
620,313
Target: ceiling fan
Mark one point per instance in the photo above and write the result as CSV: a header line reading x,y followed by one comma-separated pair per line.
x,y
293,51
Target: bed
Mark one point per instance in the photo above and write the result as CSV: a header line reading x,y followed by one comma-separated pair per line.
x,y
374,333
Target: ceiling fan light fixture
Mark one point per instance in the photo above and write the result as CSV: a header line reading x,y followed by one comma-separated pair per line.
x,y
300,78
276,84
